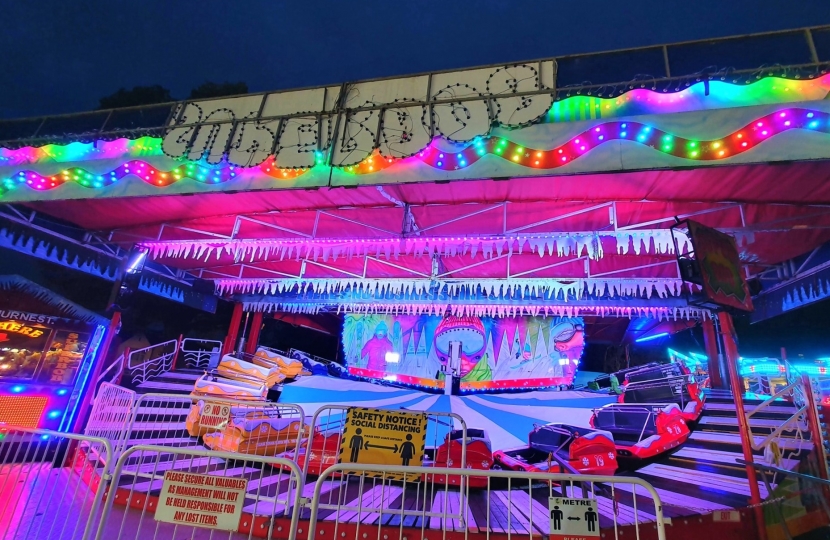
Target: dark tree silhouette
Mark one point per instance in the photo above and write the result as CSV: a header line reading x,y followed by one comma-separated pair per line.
x,y
139,95
213,90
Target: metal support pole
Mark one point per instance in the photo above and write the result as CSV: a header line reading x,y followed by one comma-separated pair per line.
x,y
815,428
730,349
710,341
126,359
175,360
726,381
242,339
233,329
253,335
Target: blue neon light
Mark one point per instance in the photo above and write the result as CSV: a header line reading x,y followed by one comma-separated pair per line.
x,y
18,388
92,356
649,338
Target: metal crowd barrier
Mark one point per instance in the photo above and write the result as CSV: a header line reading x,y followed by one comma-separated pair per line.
x,y
53,485
111,412
328,421
260,513
49,484
515,504
175,420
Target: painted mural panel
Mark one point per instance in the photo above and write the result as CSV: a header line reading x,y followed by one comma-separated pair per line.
x,y
496,353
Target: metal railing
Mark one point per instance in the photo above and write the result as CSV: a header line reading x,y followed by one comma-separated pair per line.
x,y
48,486
328,421
200,353
296,354
797,503
62,500
677,385
151,361
667,64
174,420
259,513
795,426
359,501
112,373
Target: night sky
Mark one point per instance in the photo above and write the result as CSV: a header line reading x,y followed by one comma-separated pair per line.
x,y
60,56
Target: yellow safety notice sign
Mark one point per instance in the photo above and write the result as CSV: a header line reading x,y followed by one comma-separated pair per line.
x,y
384,437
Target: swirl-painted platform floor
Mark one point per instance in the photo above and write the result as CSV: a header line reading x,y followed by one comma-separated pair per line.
x,y
507,418
701,476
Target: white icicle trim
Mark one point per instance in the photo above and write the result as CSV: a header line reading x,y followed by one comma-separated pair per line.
x,y
486,310
550,289
563,244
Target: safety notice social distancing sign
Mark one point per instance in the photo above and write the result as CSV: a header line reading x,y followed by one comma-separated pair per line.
x,y
573,519
384,437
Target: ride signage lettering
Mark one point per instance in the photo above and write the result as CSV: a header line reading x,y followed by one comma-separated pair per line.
x,y
215,415
384,437
26,317
17,328
343,125
201,500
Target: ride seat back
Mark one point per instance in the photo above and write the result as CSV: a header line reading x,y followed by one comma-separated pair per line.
x,y
626,422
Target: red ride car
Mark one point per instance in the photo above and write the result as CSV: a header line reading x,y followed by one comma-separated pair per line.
x,y
323,453
642,430
448,455
681,390
585,450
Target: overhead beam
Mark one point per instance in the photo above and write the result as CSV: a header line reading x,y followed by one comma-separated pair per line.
x,y
793,284
37,240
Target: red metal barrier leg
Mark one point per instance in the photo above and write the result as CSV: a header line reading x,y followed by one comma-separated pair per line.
x,y
730,349
815,426
710,341
233,329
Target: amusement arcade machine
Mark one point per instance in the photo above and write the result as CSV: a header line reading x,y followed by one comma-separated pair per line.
x,y
47,353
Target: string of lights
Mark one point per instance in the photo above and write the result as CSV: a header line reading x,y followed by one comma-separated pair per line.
x,y
737,142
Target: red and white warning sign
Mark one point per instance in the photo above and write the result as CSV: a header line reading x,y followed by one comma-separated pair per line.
x,y
573,519
215,415
201,500
727,515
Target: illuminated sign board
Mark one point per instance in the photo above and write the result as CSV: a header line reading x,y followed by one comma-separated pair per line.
x,y
342,125
18,328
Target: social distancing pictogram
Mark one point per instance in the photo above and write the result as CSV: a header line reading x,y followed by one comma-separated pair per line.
x,y
573,519
384,437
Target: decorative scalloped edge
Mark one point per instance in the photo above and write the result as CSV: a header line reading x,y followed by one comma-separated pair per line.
x,y
737,142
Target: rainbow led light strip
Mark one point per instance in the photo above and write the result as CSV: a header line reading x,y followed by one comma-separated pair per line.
x,y
737,142
698,96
